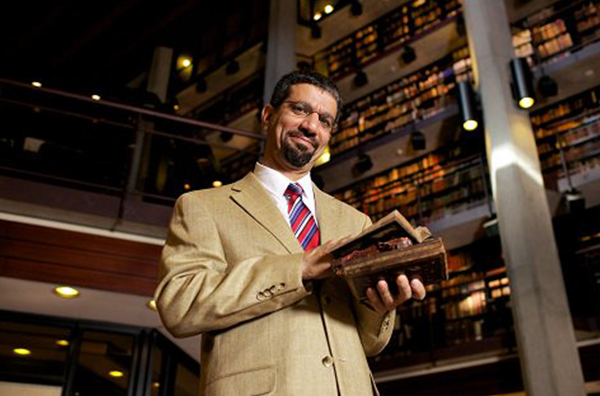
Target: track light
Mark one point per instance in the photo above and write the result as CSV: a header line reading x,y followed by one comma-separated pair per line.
x,y
356,8
201,85
575,201
315,31
232,67
417,140
467,106
363,164
408,55
361,79
522,83
547,86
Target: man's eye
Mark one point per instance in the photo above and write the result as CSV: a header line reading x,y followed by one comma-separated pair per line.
x,y
300,109
326,123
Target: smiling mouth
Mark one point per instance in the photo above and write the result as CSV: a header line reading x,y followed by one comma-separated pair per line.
x,y
302,138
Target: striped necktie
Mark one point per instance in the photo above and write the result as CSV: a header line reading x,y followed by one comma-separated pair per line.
x,y
302,221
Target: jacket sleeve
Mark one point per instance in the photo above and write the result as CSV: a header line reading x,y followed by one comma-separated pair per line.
x,y
374,329
198,291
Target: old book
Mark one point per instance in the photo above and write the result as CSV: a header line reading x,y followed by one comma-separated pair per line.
x,y
387,249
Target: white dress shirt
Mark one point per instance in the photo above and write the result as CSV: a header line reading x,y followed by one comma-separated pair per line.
x,y
275,183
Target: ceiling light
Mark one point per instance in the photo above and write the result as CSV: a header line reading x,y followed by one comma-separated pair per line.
x,y
22,351
363,164
187,186
152,304
547,86
176,107
96,97
62,343
317,16
408,55
116,373
467,106
186,62
356,8
217,183
575,201
417,140
36,84
361,79
232,67
522,82
66,292
328,9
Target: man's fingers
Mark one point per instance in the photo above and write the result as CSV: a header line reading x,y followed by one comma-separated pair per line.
x,y
418,290
385,295
404,290
375,301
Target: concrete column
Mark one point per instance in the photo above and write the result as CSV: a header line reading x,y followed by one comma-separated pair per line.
x,y
158,83
281,47
545,336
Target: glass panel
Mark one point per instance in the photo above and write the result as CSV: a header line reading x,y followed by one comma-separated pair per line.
x,y
104,365
32,354
187,383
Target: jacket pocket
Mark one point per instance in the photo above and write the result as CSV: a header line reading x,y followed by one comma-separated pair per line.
x,y
254,382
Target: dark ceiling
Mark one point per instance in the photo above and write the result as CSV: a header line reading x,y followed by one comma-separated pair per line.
x,y
82,46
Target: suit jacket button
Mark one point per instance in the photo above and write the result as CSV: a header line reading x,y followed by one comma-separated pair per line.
x,y
267,293
261,296
281,286
327,361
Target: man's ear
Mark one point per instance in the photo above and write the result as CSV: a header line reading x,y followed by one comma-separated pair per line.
x,y
266,116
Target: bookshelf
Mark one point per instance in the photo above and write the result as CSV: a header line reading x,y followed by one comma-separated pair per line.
x,y
417,96
383,35
556,30
568,135
472,307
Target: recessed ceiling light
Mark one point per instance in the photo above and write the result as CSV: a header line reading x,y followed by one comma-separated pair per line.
x,y
526,102
217,183
328,9
62,343
22,351
116,373
66,292
96,97
36,84
186,62
156,384
317,16
151,305
470,125
187,186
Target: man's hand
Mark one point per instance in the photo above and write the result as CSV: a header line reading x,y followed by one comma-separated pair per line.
x,y
316,263
383,300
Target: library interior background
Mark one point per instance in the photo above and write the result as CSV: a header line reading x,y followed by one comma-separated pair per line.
x,y
479,119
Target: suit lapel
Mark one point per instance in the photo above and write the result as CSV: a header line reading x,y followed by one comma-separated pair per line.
x,y
326,215
254,199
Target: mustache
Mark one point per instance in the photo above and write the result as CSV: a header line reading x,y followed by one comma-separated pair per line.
x,y
297,133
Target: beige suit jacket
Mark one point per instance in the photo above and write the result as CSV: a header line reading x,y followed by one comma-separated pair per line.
x,y
230,269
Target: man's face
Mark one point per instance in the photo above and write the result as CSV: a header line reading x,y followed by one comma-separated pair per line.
x,y
300,129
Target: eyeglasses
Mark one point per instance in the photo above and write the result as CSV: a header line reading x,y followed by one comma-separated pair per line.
x,y
303,110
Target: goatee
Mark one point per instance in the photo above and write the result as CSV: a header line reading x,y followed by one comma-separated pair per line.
x,y
299,155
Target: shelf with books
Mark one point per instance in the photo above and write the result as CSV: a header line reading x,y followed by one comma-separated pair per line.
x,y
561,28
383,35
418,96
471,307
425,189
568,135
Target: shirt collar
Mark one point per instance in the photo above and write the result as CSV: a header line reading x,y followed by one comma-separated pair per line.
x,y
276,183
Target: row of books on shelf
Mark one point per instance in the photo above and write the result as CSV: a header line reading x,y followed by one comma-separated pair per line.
x,y
394,28
417,96
571,134
548,33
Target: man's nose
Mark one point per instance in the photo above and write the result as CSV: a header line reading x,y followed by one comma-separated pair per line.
x,y
310,123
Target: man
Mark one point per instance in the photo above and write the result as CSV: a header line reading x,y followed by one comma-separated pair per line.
x,y
274,321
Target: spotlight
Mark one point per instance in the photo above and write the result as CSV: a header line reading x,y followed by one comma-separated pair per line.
x,y
417,140
575,201
201,85
363,164
232,67
356,8
36,84
522,82
547,86
361,79
408,55
315,31
317,16
217,183
66,292
96,97
328,9
467,106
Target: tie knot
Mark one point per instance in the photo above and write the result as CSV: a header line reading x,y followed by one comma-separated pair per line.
x,y
293,190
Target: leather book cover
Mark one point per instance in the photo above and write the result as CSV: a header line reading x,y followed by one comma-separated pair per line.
x,y
387,249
